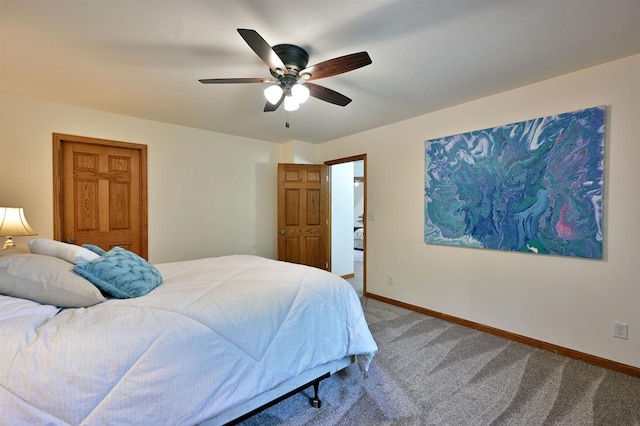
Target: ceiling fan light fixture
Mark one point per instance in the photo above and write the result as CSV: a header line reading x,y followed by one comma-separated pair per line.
x,y
300,93
273,94
288,65
290,104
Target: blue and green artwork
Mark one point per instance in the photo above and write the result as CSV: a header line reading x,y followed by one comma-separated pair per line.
x,y
534,186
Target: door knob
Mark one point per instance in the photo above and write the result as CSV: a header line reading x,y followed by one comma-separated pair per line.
x,y
282,232
71,240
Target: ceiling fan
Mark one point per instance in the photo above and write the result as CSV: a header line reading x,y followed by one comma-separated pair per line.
x,y
291,75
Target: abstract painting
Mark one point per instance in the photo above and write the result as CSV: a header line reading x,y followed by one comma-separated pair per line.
x,y
534,186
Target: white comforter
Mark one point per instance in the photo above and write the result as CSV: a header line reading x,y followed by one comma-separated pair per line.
x,y
217,332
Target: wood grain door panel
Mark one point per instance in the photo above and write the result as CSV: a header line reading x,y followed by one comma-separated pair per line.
x,y
100,193
301,214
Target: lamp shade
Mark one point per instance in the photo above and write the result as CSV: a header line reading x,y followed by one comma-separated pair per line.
x,y
13,223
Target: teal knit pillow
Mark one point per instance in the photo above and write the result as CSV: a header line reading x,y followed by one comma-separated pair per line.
x,y
121,273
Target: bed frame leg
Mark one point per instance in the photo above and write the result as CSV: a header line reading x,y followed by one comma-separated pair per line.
x,y
315,401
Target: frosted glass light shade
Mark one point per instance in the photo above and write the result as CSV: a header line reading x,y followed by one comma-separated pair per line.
x,y
300,93
273,94
290,104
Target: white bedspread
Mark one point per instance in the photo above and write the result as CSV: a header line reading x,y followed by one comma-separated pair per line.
x,y
217,332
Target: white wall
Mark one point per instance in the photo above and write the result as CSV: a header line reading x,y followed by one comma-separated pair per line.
x,y
358,203
341,219
358,193
570,302
209,194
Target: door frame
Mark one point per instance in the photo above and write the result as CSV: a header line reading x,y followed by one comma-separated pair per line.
x,y
329,163
58,141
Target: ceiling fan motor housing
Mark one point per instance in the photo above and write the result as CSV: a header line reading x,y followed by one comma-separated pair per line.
x,y
294,58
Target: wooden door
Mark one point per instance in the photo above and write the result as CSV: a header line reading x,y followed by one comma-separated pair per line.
x,y
100,193
302,210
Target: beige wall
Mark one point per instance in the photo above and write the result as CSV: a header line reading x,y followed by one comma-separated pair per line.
x,y
298,152
209,194
570,302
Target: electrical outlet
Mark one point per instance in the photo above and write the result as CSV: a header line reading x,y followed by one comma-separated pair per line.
x,y
389,279
620,330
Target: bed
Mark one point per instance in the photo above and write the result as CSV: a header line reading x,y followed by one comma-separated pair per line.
x,y
215,340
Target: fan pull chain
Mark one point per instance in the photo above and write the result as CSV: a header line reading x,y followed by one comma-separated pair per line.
x,y
286,123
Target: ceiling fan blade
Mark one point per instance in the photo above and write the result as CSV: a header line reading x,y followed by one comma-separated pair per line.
x,y
236,80
269,107
263,50
327,95
336,66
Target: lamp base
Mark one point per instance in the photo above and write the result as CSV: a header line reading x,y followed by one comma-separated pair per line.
x,y
8,243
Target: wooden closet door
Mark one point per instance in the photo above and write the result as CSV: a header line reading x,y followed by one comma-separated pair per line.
x,y
103,194
302,219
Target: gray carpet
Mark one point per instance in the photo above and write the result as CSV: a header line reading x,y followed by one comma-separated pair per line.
x,y
431,372
358,264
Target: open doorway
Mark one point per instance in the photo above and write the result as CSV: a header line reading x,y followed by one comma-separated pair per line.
x,y
358,227
348,224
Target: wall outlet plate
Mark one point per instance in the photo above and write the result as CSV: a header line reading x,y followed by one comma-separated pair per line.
x,y
620,330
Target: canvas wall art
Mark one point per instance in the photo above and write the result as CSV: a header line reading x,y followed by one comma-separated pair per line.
x,y
534,186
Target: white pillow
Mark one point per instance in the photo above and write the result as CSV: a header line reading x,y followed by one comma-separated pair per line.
x,y
46,280
69,252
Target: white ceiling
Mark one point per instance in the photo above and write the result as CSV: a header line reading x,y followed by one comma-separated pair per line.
x,y
143,58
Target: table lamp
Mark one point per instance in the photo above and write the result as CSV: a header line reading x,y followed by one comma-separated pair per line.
x,y
12,224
